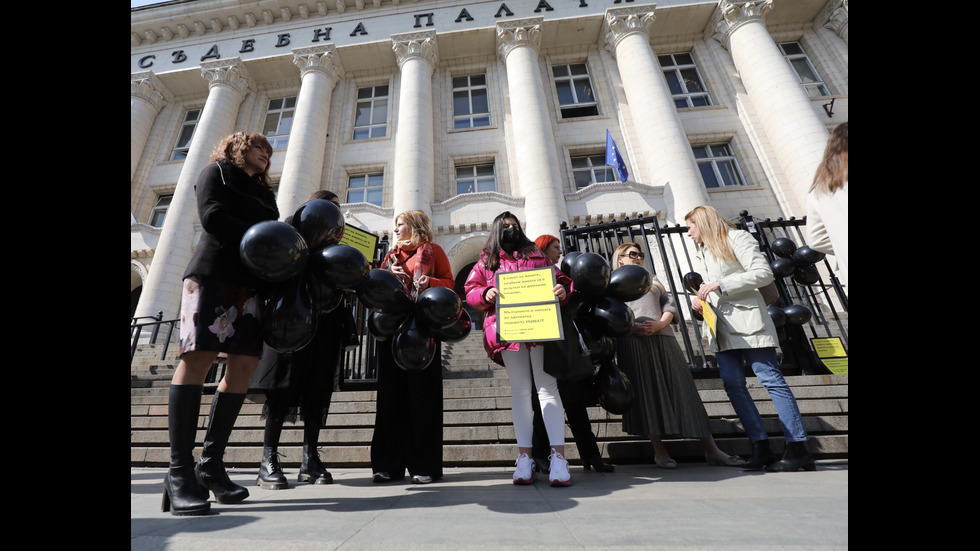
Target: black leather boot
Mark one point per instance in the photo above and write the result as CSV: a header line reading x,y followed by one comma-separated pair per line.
x,y
312,469
596,462
795,457
761,456
182,495
210,470
270,472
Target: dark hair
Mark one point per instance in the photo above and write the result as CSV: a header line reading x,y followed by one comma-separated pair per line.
x,y
324,194
525,247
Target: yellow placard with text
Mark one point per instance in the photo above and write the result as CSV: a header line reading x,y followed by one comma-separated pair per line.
x,y
527,308
526,286
832,354
362,240
709,317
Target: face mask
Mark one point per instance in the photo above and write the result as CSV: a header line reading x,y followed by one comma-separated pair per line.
x,y
510,237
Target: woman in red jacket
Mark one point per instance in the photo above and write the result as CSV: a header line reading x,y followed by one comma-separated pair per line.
x,y
508,250
408,422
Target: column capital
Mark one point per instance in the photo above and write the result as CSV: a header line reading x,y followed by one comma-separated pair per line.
x,y
322,59
421,44
229,72
619,23
148,87
520,32
736,13
837,20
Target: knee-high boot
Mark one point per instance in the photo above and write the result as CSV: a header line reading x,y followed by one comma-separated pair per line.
x,y
312,469
271,476
181,493
210,470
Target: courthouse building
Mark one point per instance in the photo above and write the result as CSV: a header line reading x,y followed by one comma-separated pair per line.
x,y
467,109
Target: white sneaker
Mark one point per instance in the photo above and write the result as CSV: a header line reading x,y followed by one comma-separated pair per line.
x,y
524,473
558,471
421,479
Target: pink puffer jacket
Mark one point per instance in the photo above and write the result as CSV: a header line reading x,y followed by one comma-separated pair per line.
x,y
481,278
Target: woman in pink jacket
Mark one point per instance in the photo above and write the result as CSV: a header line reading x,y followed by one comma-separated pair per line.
x,y
508,250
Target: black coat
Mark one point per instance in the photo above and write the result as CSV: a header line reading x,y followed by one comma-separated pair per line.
x,y
229,202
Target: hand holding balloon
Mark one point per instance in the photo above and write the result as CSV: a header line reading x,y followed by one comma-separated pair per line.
x,y
491,295
707,288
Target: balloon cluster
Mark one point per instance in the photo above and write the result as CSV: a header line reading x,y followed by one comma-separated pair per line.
x,y
800,264
598,307
308,267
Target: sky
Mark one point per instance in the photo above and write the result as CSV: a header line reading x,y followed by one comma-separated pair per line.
x,y
138,3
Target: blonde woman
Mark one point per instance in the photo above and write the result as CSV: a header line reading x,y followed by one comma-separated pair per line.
x,y
666,401
733,268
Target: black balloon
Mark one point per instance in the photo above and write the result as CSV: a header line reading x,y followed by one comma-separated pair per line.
x,y
342,266
630,282
382,291
438,307
783,247
614,388
383,325
806,274
806,255
289,319
325,297
590,273
777,314
600,346
693,281
797,314
579,307
783,267
456,331
568,261
413,345
612,317
320,222
274,251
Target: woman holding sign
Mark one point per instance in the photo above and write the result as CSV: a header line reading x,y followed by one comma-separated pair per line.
x,y
734,268
507,249
408,422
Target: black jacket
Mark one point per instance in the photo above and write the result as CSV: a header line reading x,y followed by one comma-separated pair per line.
x,y
229,202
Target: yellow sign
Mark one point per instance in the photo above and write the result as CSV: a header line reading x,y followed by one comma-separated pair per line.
x,y
831,352
709,317
527,308
362,240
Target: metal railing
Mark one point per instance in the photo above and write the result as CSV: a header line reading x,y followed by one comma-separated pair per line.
x,y
670,255
154,326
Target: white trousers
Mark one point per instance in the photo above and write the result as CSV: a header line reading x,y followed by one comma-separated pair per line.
x,y
520,365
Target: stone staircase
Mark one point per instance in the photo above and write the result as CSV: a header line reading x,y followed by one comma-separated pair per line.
x,y
477,419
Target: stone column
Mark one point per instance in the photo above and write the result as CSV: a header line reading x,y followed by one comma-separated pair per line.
x,y
302,170
662,139
414,164
535,155
146,97
795,132
228,84
837,21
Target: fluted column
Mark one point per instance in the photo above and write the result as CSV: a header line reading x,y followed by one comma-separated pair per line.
x,y
414,170
837,21
795,132
662,140
535,154
146,97
228,84
320,70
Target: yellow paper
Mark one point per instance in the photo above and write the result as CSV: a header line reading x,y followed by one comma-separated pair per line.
x,y
361,240
536,323
831,352
709,317
526,286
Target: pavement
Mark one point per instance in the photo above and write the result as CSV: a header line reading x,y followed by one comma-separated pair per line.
x,y
693,507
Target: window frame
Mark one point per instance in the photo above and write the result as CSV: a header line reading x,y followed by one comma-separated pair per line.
x,y
678,68
476,178
277,138
591,168
161,210
179,152
714,162
794,61
372,126
468,88
576,108
366,177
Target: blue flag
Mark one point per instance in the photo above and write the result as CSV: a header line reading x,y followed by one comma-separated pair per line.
x,y
614,159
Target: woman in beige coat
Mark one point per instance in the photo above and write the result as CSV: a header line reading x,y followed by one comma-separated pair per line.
x,y
826,204
733,269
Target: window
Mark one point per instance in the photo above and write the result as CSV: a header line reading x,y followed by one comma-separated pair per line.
x,y
470,106
279,121
718,165
684,81
365,188
800,62
371,115
475,178
592,169
185,135
160,209
574,88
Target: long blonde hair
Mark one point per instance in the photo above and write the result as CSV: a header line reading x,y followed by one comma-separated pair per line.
x,y
713,228
627,245
234,147
418,221
832,172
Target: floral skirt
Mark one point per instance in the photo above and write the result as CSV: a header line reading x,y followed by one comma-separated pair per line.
x,y
221,317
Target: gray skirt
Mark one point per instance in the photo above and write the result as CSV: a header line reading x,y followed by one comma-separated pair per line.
x,y
665,399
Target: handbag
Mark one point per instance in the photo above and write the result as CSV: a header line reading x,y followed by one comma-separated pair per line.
x,y
770,293
568,359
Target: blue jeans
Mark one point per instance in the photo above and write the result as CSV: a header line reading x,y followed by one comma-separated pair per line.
x,y
731,364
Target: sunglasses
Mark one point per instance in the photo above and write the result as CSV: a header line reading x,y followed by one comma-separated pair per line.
x,y
634,255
